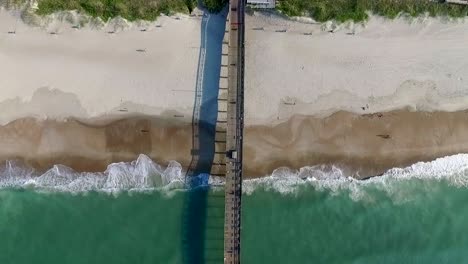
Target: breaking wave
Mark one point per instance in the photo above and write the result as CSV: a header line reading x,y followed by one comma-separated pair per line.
x,y
141,174
145,175
396,183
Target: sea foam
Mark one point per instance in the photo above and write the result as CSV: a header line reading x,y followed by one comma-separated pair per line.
x,y
451,169
143,174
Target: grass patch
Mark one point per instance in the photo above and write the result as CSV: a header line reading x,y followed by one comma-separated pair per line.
x,y
128,9
342,10
12,3
215,6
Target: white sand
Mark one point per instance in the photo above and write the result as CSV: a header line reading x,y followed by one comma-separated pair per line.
x,y
419,64
89,73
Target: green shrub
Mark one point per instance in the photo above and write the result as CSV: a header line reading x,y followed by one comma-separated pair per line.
x,y
128,9
215,6
12,3
342,10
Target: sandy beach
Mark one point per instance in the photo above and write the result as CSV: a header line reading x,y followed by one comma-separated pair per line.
x,y
92,74
383,65
365,97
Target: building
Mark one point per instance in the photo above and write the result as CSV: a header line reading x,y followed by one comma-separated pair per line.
x,y
262,3
462,2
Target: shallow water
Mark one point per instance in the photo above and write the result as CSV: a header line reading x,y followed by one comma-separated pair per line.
x,y
93,228
309,225
136,213
316,227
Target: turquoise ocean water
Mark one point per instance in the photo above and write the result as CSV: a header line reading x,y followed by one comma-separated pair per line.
x,y
413,215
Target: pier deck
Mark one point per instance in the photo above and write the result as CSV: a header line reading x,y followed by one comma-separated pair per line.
x,y
234,132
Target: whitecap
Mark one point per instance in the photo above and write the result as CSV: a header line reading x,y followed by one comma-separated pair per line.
x,y
144,175
451,169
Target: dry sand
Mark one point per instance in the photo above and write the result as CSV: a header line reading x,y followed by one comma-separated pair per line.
x,y
89,73
381,66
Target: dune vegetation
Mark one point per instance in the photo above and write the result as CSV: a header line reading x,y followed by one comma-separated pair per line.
x,y
357,10
215,5
320,10
128,9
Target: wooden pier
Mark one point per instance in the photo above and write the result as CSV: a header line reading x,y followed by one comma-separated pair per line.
x,y
234,131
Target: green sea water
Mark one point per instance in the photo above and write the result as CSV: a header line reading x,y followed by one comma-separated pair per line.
x,y
411,221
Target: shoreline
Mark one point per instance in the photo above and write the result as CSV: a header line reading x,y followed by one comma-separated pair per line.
x,y
90,148
360,145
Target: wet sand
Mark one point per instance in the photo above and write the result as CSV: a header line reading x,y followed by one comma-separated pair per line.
x,y
362,145
42,144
